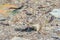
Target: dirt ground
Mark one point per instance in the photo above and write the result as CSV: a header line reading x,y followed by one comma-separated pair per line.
x,y
26,13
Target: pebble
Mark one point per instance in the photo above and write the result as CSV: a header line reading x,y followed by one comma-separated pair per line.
x,y
17,29
37,26
51,19
19,38
28,29
55,13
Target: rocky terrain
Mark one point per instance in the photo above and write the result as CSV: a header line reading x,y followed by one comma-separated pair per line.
x,y
29,20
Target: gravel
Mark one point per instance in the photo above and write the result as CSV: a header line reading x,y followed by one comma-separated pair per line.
x,y
42,15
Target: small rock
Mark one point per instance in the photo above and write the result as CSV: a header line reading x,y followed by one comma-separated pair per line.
x,y
28,29
2,19
55,37
17,29
57,25
28,14
20,35
5,24
51,19
19,38
55,13
36,26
